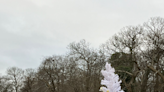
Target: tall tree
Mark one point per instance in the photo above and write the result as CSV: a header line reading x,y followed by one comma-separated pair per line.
x,y
127,41
154,32
29,80
16,76
87,58
52,73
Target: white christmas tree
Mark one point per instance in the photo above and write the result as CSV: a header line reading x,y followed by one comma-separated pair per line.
x,y
111,80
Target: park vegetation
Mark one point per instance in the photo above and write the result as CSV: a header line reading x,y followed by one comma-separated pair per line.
x,y
136,53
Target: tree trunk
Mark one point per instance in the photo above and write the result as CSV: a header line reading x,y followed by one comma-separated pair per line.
x,y
145,79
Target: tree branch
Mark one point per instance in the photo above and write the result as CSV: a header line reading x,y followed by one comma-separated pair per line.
x,y
124,72
154,70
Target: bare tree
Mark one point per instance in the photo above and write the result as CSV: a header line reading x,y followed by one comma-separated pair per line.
x,y
5,84
154,32
52,74
16,76
29,80
88,59
127,41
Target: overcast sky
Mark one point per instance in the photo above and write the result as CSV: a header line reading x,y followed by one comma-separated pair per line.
x,y
33,29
